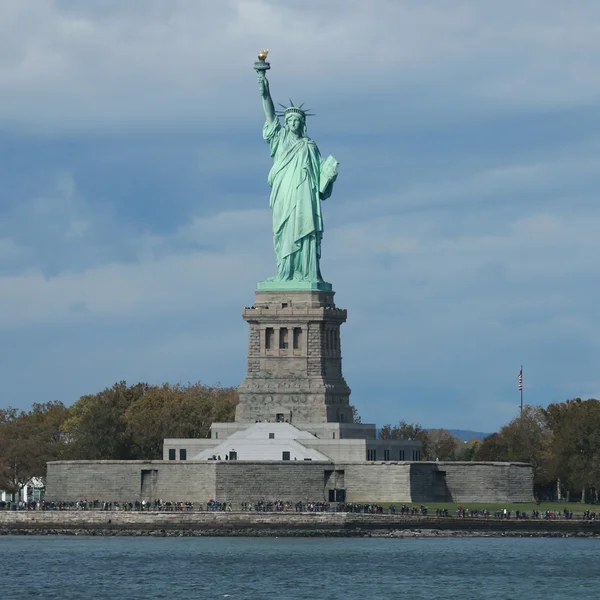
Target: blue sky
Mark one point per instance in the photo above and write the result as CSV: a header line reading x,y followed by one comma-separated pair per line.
x,y
461,237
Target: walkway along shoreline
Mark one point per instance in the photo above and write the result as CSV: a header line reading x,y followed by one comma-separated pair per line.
x,y
282,525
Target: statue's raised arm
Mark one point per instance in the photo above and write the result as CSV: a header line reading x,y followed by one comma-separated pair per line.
x,y
261,68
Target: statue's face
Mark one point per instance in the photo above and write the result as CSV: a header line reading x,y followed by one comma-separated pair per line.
x,y
294,124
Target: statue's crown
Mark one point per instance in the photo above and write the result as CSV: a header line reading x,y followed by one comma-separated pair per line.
x,y
294,110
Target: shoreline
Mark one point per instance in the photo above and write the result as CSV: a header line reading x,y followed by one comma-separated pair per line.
x,y
244,524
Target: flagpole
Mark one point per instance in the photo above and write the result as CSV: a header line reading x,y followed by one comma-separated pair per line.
x,y
521,388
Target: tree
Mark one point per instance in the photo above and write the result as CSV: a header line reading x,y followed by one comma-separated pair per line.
x,y
466,451
402,431
96,429
385,433
121,422
16,452
355,416
28,440
406,431
524,439
176,411
442,444
575,442
492,448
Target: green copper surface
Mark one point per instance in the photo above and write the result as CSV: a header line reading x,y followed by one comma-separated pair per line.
x,y
299,181
272,285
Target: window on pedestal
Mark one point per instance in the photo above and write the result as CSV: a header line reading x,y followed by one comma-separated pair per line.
x,y
182,454
172,453
371,454
401,455
297,338
283,338
386,455
285,456
269,333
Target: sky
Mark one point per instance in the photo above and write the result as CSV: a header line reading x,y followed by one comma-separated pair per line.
x,y
461,236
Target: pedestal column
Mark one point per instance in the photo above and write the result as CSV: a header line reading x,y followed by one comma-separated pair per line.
x,y
294,360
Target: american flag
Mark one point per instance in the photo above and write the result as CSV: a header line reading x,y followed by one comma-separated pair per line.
x,y
521,380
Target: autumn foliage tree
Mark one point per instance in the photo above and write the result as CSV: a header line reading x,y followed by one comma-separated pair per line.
x,y
121,422
562,442
27,441
176,411
442,445
524,439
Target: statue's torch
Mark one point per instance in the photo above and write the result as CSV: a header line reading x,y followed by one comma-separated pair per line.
x,y
261,66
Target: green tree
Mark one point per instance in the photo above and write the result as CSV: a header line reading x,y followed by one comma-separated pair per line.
x,y
28,440
176,411
96,429
492,448
402,431
524,439
406,431
575,444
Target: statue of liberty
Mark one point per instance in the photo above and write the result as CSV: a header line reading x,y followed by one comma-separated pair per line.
x,y
299,180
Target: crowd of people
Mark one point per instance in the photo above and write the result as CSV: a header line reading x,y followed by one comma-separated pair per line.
x,y
281,506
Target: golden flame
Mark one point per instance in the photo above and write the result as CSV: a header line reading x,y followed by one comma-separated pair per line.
x,y
262,55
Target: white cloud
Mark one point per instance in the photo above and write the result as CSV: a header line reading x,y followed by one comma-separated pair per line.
x,y
165,280
78,66
11,252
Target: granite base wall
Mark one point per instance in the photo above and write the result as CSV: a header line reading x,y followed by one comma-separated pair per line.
x,y
236,482
489,482
376,481
293,481
471,482
127,481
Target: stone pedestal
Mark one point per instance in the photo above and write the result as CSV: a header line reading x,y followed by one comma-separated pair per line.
x,y
294,360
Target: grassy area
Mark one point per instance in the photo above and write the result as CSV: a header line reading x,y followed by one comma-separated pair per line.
x,y
575,507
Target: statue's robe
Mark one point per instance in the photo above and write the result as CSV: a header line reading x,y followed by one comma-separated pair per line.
x,y
297,218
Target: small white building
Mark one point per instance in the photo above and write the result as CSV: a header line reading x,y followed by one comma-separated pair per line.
x,y
32,490
333,442
265,441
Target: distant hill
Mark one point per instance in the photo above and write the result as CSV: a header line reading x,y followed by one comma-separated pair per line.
x,y
463,434
467,435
